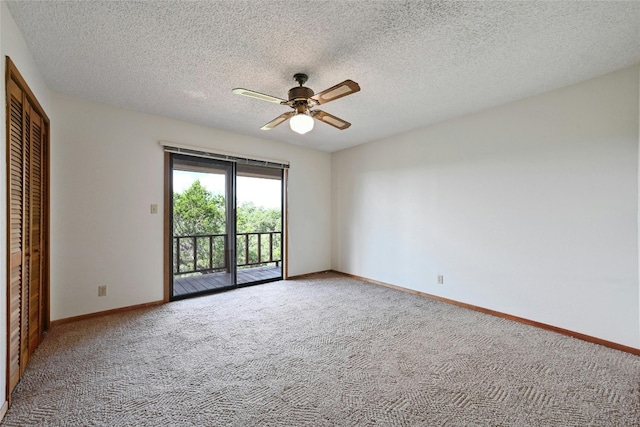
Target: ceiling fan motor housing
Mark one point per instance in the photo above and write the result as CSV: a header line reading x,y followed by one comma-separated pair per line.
x,y
300,93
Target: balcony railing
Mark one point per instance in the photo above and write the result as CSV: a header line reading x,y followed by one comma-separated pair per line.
x,y
208,253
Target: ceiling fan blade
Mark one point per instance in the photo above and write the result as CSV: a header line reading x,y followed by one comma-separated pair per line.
x,y
258,95
275,122
330,119
345,88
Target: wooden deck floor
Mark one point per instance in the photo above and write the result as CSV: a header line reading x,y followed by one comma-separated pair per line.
x,y
213,281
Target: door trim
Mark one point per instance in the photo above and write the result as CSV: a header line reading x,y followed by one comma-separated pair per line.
x,y
167,226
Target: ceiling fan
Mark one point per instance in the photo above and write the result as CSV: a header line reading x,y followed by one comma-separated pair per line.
x,y
303,100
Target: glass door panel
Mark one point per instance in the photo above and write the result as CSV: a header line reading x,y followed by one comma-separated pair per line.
x,y
203,229
258,224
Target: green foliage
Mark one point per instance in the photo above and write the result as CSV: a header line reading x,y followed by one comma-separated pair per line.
x,y
197,211
252,219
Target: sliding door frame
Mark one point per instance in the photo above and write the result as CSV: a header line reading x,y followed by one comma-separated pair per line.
x,y
231,220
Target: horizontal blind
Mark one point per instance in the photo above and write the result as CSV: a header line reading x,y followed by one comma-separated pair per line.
x,y
171,147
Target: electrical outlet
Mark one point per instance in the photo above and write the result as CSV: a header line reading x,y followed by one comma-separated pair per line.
x,y
440,279
102,290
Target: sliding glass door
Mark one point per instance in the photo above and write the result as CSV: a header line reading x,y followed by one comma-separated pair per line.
x,y
225,225
202,225
258,224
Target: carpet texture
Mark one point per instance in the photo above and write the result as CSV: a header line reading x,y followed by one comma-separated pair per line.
x,y
325,351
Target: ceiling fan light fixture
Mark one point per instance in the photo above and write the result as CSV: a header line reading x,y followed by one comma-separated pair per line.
x,y
301,100
301,123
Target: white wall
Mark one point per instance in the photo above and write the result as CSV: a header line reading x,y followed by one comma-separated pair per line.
x,y
529,209
13,45
106,171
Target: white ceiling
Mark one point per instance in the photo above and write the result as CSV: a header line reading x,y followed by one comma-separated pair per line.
x,y
417,62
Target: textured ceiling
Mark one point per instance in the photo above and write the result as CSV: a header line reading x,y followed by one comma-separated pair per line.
x,y
417,62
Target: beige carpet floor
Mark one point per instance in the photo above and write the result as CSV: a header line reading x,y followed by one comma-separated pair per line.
x,y
327,351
